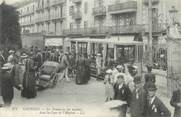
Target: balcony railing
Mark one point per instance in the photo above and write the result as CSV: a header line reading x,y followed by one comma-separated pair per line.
x,y
99,11
39,8
57,17
76,1
39,20
126,29
156,28
130,6
77,15
154,2
105,29
47,5
27,23
27,13
57,2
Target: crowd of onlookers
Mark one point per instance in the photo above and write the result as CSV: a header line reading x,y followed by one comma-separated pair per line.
x,y
126,91
122,82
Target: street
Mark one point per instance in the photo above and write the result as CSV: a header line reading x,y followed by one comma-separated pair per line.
x,y
89,98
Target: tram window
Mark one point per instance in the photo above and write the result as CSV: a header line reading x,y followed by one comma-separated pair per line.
x,y
82,48
110,53
125,54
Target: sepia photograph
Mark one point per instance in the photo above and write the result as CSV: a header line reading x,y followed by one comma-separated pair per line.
x,y
90,58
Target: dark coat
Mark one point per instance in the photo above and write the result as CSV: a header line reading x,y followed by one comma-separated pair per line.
x,y
2,62
156,109
29,80
83,72
7,86
123,93
137,105
176,98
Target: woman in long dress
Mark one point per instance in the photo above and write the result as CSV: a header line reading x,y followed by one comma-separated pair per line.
x,y
109,89
83,70
29,80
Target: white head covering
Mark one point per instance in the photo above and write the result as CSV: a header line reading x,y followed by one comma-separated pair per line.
x,y
109,71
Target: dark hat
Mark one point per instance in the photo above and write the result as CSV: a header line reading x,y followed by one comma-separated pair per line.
x,y
137,80
151,87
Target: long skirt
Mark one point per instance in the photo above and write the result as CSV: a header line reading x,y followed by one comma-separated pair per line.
x,y
82,75
29,85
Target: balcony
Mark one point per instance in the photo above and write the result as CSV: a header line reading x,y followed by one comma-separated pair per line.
x,y
57,2
126,29
154,2
102,31
40,8
46,6
99,11
29,23
39,20
77,1
77,15
130,6
156,28
55,17
27,13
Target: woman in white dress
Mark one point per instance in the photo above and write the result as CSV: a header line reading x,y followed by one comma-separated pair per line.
x,y
109,82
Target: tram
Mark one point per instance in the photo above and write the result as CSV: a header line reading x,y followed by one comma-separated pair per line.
x,y
109,49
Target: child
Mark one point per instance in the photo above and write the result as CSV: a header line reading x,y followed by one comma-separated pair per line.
x,y
108,81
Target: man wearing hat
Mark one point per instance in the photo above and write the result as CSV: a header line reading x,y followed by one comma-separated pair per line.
x,y
138,99
122,93
149,77
154,106
176,100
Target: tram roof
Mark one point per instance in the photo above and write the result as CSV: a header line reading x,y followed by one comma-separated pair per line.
x,y
121,41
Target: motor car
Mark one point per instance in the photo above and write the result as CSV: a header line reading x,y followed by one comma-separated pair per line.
x,y
47,75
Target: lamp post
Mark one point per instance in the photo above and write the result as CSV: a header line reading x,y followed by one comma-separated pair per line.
x,y
150,30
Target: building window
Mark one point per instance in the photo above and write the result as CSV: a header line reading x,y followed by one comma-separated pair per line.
x,y
85,7
71,10
85,24
61,11
55,27
33,7
27,9
71,26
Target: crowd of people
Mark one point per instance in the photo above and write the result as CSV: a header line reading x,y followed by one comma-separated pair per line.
x,y
121,81
137,96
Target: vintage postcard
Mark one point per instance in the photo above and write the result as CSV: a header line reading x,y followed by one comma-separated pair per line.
x,y
90,58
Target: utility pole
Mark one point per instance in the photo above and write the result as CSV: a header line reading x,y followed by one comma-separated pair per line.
x,y
150,30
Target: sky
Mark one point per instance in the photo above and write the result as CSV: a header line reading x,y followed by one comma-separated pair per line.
x,y
10,1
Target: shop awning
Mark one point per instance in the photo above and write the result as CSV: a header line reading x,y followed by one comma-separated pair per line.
x,y
54,42
116,40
